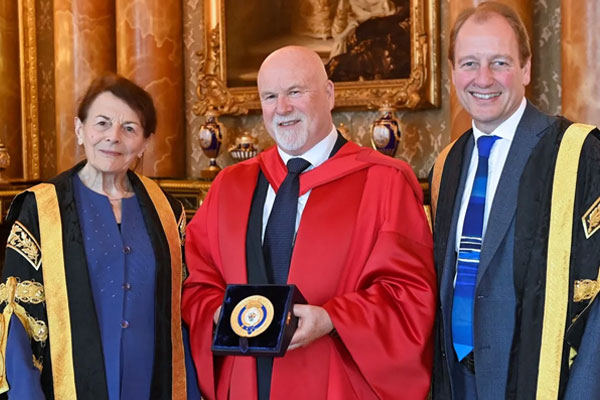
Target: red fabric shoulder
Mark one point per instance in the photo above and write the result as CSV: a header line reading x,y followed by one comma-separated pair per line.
x,y
374,157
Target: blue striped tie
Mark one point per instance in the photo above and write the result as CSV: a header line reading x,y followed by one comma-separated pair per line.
x,y
468,254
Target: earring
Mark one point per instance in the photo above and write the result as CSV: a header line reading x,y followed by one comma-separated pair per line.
x,y
79,141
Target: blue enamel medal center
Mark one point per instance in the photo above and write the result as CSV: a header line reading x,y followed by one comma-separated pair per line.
x,y
252,316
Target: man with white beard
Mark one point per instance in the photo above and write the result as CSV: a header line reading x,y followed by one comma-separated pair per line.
x,y
356,244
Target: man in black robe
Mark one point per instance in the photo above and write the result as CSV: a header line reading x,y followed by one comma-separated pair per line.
x,y
533,325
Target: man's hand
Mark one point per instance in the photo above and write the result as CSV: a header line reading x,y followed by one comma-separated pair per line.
x,y
216,316
314,322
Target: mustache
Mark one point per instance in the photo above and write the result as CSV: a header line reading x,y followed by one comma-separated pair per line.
x,y
296,115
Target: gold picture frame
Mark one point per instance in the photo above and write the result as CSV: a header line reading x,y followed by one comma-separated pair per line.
x,y
420,89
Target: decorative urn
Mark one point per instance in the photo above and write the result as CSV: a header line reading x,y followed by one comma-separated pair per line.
x,y
211,138
385,131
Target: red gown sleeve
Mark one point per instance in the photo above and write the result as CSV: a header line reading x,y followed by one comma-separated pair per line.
x,y
386,323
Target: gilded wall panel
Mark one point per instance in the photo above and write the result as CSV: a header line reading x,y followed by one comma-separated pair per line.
x,y
47,125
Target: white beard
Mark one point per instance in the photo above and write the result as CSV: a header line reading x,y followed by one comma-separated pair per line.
x,y
290,140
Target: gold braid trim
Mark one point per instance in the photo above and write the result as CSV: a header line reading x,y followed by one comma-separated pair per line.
x,y
57,305
27,292
170,227
586,289
558,260
37,330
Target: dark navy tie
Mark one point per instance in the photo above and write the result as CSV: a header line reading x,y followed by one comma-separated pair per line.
x,y
281,227
468,254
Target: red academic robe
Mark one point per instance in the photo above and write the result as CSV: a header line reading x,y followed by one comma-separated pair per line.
x,y
363,251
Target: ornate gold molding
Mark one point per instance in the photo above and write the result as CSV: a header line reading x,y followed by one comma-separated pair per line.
x,y
213,94
419,90
29,90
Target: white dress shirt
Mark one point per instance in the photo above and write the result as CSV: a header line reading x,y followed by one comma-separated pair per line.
x,y
316,156
506,131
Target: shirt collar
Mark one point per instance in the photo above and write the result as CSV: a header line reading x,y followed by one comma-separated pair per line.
x,y
508,128
317,154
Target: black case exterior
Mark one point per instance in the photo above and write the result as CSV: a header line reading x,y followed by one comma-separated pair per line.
x,y
275,340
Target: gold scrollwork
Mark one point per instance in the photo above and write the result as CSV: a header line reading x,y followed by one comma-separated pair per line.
x,y
37,330
27,292
23,242
585,289
212,92
420,89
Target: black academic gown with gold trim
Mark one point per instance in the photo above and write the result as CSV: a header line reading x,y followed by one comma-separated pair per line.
x,y
531,252
85,341
530,261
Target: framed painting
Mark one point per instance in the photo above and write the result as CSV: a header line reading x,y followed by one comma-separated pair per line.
x,y
376,51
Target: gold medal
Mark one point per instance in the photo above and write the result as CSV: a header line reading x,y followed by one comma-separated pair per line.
x,y
252,316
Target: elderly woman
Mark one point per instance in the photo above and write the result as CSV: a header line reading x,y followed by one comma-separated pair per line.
x,y
92,276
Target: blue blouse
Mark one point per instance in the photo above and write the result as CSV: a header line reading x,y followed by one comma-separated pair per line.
x,y
122,273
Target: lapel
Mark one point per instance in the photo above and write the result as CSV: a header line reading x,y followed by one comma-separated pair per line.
x,y
532,126
257,269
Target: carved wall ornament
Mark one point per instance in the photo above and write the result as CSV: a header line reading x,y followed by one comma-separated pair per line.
x,y
213,94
